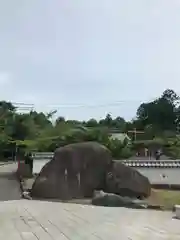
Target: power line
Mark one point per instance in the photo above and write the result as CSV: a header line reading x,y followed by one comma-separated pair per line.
x,y
23,104
30,106
113,104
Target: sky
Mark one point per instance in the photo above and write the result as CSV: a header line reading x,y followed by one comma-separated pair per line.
x,y
88,58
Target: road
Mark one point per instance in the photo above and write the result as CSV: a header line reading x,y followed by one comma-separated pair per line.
x,y
9,186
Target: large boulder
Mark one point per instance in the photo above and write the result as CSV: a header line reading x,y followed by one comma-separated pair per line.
x,y
75,172
126,181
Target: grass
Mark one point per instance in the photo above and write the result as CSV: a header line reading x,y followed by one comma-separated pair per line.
x,y
165,198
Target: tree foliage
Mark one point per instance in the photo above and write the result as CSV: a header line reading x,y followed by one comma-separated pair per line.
x,y
158,119
162,113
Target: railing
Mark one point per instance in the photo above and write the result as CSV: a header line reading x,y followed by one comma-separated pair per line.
x,y
153,163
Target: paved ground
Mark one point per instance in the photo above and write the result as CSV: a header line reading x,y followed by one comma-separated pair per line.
x,y
9,187
32,220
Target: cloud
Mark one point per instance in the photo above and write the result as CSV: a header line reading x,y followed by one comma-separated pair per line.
x,y
5,78
88,53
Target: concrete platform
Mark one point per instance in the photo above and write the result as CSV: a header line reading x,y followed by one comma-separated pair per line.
x,y
32,220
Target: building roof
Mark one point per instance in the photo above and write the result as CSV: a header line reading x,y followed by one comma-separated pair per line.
x,y
120,136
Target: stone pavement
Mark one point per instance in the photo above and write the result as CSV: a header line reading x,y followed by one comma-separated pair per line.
x,y
32,220
9,186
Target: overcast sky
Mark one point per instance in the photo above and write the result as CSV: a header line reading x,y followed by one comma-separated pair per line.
x,y
88,58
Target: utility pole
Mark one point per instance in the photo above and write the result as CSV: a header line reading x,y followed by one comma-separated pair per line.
x,y
22,108
135,132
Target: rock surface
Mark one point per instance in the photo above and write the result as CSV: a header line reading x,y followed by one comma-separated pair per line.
x,y
75,172
26,195
126,181
78,169
113,200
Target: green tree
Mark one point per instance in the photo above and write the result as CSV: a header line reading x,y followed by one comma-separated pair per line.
x,y
91,123
161,113
107,121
